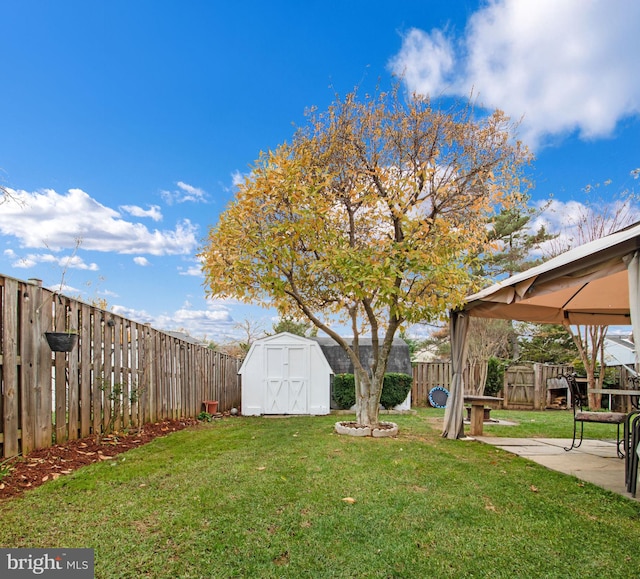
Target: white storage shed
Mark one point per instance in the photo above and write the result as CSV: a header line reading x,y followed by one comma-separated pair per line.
x,y
285,374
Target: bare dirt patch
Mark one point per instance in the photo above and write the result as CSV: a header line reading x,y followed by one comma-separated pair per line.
x,y
45,464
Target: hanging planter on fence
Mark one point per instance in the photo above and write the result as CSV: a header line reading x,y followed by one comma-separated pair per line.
x,y
61,341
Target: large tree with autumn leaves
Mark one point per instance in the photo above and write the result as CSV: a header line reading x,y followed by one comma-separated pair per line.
x,y
371,216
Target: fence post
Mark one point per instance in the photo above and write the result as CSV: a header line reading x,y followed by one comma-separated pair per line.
x,y
10,367
29,363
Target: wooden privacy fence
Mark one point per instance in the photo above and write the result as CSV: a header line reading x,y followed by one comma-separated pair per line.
x,y
526,387
427,375
120,373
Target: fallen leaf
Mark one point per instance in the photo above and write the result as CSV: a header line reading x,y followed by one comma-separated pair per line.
x,y
533,488
349,500
1,486
45,478
261,468
55,475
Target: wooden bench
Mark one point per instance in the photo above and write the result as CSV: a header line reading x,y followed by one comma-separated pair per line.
x,y
579,401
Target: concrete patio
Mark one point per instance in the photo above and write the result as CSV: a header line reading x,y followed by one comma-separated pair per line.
x,y
595,461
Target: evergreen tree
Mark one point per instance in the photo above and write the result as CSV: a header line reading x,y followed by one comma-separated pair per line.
x,y
547,343
515,242
293,326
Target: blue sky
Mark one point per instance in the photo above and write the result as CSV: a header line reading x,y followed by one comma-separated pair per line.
x,y
126,124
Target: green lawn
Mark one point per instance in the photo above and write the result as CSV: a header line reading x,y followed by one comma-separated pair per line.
x,y
548,424
263,497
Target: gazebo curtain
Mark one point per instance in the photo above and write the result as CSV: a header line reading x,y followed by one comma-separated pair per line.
x,y
454,412
633,274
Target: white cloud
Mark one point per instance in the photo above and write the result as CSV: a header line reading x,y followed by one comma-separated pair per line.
x,y
140,316
237,178
191,193
216,321
194,271
560,66
141,261
64,262
425,61
49,219
184,193
153,212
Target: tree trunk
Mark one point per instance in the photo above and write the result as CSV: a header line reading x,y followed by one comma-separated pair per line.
x,y
478,370
367,399
595,400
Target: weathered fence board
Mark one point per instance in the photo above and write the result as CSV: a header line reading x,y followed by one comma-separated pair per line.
x,y
120,374
425,377
526,387
9,358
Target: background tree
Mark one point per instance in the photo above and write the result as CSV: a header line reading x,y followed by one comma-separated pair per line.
x,y
439,342
546,343
295,326
515,248
513,241
487,338
371,217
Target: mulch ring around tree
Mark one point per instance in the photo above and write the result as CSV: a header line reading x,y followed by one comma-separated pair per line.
x,y
47,464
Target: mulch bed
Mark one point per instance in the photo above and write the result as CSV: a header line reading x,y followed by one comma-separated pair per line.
x,y
50,463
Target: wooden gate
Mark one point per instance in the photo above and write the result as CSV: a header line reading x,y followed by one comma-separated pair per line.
x,y
535,387
519,388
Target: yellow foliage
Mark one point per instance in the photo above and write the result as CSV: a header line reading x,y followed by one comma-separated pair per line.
x,y
375,212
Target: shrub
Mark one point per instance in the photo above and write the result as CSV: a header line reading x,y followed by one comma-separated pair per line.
x,y
344,390
495,376
395,389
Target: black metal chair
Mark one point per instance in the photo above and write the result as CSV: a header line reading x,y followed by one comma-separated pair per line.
x,y
631,466
579,401
632,438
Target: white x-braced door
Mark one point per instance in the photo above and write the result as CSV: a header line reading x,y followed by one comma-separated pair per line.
x,y
287,379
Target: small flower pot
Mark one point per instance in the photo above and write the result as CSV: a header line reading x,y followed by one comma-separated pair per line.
x,y
211,406
61,341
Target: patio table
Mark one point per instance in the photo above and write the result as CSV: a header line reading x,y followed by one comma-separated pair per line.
x,y
477,411
616,392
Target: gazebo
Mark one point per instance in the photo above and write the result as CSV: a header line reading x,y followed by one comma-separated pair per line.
x,y
597,283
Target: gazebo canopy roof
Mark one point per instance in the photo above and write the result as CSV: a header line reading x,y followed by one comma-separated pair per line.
x,y
587,285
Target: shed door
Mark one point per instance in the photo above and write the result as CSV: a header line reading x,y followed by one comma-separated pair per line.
x,y
287,378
